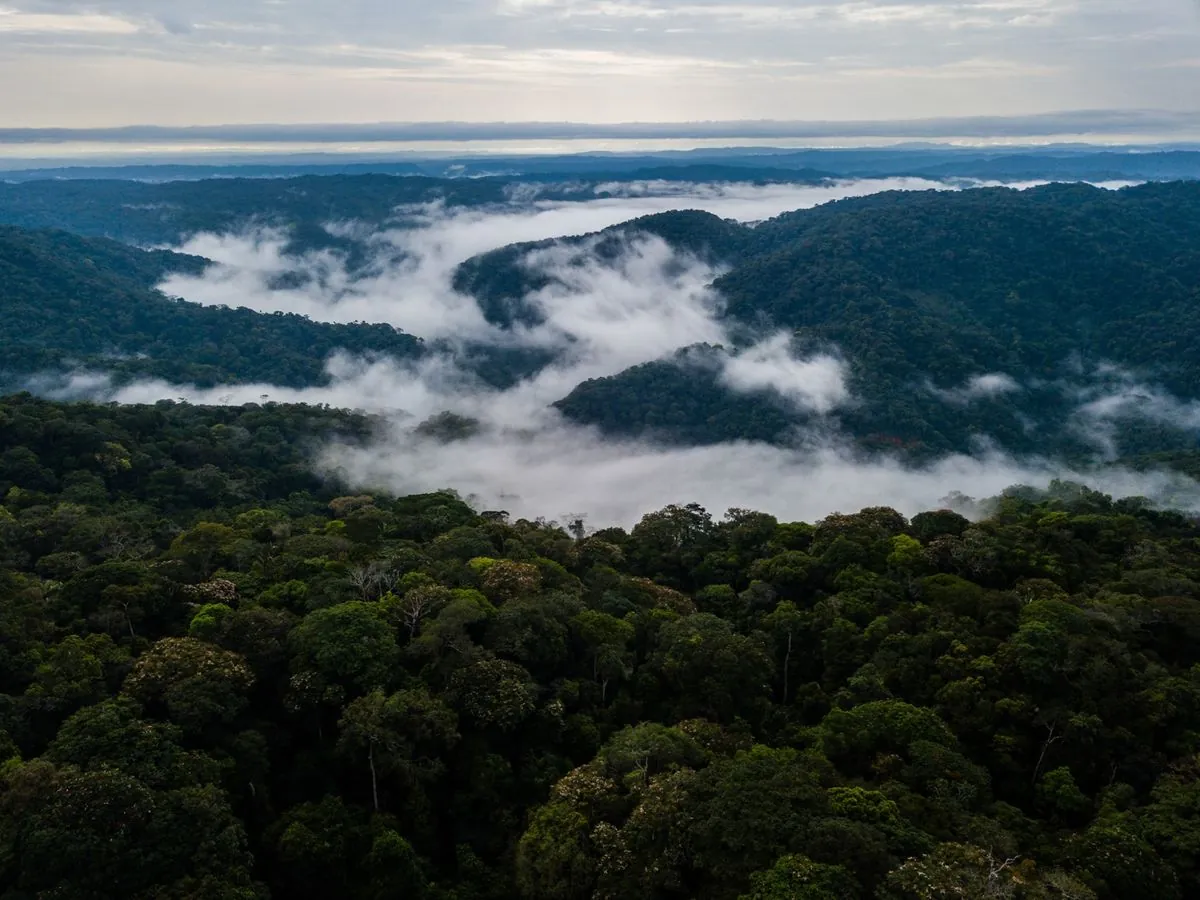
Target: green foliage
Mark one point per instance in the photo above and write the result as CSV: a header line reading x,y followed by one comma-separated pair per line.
x,y
220,677
73,834
67,301
407,732
196,684
922,292
494,692
960,870
349,645
208,620
643,751
884,726
552,863
705,668
799,878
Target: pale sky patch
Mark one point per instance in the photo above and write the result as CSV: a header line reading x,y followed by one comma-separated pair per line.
x,y
99,63
12,20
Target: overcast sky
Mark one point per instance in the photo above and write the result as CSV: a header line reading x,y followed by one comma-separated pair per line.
x,y
76,63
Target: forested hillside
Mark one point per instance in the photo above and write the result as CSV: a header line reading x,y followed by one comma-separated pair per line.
x,y
68,302
142,213
172,211
923,291
501,280
225,678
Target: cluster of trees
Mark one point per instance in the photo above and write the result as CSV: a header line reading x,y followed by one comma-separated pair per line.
x,y
223,678
681,399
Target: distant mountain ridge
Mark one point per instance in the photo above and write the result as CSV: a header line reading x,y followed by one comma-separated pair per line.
x,y
1074,162
154,205
170,212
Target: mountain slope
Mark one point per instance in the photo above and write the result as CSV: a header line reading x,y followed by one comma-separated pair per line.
x,y
142,213
924,291
500,280
985,314
170,212
68,302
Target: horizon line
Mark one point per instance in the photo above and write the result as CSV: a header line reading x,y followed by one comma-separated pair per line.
x,y
1069,122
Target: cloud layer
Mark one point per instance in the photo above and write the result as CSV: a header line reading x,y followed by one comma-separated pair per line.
x,y
186,62
529,461
563,469
816,384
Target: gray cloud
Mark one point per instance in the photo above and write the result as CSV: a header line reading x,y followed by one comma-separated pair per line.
x,y
814,384
562,468
530,462
1114,398
183,62
413,294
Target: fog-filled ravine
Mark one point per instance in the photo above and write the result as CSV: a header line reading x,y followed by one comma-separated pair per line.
x,y
636,344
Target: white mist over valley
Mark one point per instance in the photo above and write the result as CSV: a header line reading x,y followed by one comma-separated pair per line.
x,y
598,317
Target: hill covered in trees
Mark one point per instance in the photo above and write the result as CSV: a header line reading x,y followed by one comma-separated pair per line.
x,y
149,213
225,678
144,213
70,302
924,294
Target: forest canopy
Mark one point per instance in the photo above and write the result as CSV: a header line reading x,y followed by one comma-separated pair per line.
x,y
1053,289
223,677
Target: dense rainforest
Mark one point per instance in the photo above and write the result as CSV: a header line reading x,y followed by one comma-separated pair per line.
x,y
921,292
224,677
